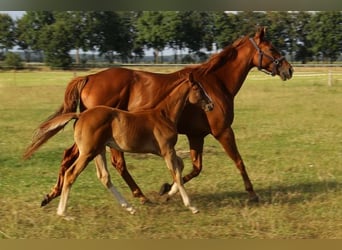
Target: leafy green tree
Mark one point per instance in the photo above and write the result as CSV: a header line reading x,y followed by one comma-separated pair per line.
x,y
29,28
76,22
230,26
326,34
152,31
114,34
196,30
225,26
279,30
56,43
7,33
13,61
301,30
247,21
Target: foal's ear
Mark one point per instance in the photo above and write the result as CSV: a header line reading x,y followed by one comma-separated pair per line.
x,y
260,34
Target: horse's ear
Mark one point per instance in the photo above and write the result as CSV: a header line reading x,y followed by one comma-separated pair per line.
x,y
260,34
191,77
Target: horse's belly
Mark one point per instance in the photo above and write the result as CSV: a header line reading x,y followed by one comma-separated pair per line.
x,y
133,146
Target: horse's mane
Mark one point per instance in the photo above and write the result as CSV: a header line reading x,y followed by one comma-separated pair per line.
x,y
219,59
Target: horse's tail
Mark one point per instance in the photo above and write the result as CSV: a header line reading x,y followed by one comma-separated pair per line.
x,y
70,104
46,130
71,96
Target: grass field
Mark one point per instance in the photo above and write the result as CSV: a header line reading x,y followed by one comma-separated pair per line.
x,y
289,135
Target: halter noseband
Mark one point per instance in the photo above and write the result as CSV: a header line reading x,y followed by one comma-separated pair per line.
x,y
275,62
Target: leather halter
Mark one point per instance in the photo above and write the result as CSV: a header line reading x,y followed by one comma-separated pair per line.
x,y
275,61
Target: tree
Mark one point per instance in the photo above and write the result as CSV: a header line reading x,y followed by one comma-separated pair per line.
x,y
279,30
13,60
326,34
114,34
225,26
301,30
195,30
82,27
55,40
152,31
29,29
7,33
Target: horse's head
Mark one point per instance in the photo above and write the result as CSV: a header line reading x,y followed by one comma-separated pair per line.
x,y
198,95
268,59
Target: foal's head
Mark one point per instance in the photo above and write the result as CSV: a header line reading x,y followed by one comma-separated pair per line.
x,y
199,96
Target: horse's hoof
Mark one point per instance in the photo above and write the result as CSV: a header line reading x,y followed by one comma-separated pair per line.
x,y
166,187
45,201
194,210
144,200
253,199
67,218
131,210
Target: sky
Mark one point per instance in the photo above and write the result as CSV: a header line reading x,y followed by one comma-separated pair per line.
x,y
14,14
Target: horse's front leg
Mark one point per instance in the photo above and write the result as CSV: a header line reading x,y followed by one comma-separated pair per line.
x,y
227,140
196,151
118,161
69,157
175,165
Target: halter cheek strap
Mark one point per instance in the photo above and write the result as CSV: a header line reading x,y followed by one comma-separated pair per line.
x,y
275,62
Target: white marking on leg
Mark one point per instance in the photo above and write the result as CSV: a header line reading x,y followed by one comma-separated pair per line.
x,y
176,165
65,190
173,190
104,176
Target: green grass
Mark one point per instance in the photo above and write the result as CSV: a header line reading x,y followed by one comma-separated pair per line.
x,y
289,135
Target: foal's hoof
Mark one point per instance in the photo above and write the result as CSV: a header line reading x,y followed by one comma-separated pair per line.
x,y
194,210
166,187
45,201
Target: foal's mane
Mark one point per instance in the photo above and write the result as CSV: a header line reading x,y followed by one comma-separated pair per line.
x,y
227,54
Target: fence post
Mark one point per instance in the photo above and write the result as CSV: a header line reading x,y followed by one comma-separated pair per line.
x,y
329,78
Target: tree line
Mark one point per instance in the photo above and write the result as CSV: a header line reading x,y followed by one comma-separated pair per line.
x,y
124,35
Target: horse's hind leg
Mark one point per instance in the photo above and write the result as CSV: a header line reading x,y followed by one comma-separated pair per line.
x,y
118,161
104,176
227,140
69,178
69,157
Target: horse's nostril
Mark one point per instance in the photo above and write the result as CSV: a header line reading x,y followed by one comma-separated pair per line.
x,y
291,71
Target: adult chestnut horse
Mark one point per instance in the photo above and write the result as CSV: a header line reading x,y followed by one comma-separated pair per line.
x,y
148,131
222,76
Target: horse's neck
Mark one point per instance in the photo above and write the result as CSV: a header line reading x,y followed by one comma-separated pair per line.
x,y
234,72
173,105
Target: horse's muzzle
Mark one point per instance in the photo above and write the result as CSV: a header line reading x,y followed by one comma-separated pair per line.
x,y
286,74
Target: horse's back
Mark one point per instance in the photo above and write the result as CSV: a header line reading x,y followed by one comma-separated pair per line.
x,y
126,89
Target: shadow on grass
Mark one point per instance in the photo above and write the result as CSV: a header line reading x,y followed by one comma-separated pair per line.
x,y
280,194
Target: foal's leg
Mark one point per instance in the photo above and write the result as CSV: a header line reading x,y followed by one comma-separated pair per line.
x,y
227,140
196,151
175,165
69,178
119,163
104,176
69,157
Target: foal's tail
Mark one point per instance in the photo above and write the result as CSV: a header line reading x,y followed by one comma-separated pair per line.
x,y
46,130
